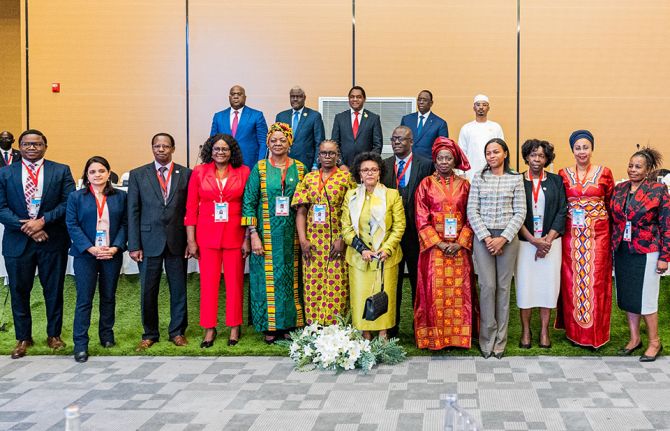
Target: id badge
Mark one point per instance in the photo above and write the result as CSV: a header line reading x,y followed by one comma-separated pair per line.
x,y
34,206
537,226
220,212
450,228
281,206
319,214
578,218
627,232
100,238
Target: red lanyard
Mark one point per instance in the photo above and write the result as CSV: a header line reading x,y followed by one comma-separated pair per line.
x,y
99,204
219,181
283,174
586,175
536,190
322,183
402,173
164,182
34,176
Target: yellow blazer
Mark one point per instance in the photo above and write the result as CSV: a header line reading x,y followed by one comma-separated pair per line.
x,y
395,227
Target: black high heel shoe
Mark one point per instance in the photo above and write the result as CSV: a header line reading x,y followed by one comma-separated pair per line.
x,y
645,358
234,341
204,344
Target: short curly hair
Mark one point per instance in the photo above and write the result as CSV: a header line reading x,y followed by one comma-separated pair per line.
x,y
364,157
532,144
235,151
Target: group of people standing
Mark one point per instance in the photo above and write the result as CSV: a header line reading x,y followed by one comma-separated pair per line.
x,y
324,234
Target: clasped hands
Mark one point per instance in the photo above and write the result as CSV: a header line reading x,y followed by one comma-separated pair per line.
x,y
369,255
543,245
449,248
495,245
103,252
308,250
34,229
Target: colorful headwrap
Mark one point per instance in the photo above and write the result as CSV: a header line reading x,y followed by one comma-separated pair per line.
x,y
581,134
284,128
460,159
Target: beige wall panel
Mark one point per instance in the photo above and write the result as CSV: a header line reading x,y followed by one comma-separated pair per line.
x,y
599,65
456,49
121,65
10,71
267,47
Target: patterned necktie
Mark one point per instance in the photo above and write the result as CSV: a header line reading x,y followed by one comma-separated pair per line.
x,y
31,187
401,181
236,120
418,129
296,120
162,171
355,127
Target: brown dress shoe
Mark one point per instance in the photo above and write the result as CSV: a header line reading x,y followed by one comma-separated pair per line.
x,y
21,348
55,343
179,340
144,345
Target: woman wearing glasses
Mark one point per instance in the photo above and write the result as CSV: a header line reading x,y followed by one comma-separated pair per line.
x,y
373,222
318,199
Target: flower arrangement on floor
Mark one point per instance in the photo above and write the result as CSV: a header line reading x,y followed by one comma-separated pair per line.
x,y
340,347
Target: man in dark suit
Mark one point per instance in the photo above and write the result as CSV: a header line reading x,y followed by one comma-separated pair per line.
x,y
404,171
425,125
357,129
33,200
9,155
157,237
307,126
245,124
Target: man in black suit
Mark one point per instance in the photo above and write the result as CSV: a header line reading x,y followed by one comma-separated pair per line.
x,y
404,171
357,129
9,155
307,126
33,199
157,236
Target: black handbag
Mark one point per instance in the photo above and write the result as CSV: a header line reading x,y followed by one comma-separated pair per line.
x,y
378,303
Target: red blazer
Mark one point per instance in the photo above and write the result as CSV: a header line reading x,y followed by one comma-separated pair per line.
x,y
203,191
649,213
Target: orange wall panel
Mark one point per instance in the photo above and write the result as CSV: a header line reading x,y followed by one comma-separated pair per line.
x,y
10,69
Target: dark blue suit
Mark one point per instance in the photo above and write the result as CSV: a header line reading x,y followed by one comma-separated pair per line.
x,y
81,219
251,133
307,137
16,158
23,255
433,127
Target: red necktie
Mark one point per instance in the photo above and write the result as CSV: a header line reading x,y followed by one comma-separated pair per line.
x,y
235,121
355,127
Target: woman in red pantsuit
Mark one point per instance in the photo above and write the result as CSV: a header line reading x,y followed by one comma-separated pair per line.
x,y
215,234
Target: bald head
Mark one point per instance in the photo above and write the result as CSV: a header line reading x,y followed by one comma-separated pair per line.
x,y
237,97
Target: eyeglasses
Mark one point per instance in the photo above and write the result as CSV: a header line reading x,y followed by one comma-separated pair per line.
x,y
161,147
328,153
220,150
397,139
369,171
31,144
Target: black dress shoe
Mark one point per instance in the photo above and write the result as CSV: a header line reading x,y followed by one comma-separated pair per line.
x,y
232,342
627,352
499,355
645,358
81,356
108,344
207,344
486,355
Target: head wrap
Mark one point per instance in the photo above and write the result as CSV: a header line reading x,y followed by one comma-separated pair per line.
x,y
284,128
460,159
481,98
581,134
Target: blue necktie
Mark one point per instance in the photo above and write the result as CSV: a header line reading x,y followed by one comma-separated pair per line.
x,y
401,166
418,129
296,120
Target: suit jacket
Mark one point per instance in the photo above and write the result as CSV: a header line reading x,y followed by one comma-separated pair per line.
x,y
203,191
251,133
81,219
555,205
433,127
649,213
307,137
369,137
16,158
395,227
152,222
420,169
58,184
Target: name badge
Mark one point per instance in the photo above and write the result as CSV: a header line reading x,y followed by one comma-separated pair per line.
x,y
34,206
578,218
220,212
281,206
100,238
627,232
537,226
319,214
450,228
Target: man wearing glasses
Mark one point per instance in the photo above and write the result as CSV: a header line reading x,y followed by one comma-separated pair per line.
x,y
404,171
157,237
33,199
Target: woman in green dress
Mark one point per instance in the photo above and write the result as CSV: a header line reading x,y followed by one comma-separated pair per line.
x,y
273,265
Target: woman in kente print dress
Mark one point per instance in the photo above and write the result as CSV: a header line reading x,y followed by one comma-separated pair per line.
x,y
318,200
586,271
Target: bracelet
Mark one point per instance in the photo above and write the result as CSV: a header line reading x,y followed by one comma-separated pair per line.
x,y
252,229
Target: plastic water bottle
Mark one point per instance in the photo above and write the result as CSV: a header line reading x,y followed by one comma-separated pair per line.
x,y
451,412
72,418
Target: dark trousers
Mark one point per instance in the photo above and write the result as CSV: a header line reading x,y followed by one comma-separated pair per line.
x,y
21,272
89,273
410,252
151,270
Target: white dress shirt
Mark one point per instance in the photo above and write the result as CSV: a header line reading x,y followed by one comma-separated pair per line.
x,y
232,116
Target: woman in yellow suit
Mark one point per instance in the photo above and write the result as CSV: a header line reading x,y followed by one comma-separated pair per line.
x,y
373,222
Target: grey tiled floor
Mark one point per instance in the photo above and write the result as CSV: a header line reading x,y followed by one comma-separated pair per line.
x,y
260,393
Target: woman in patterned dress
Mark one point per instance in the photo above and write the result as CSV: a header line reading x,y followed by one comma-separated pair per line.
x,y
273,266
585,302
318,200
